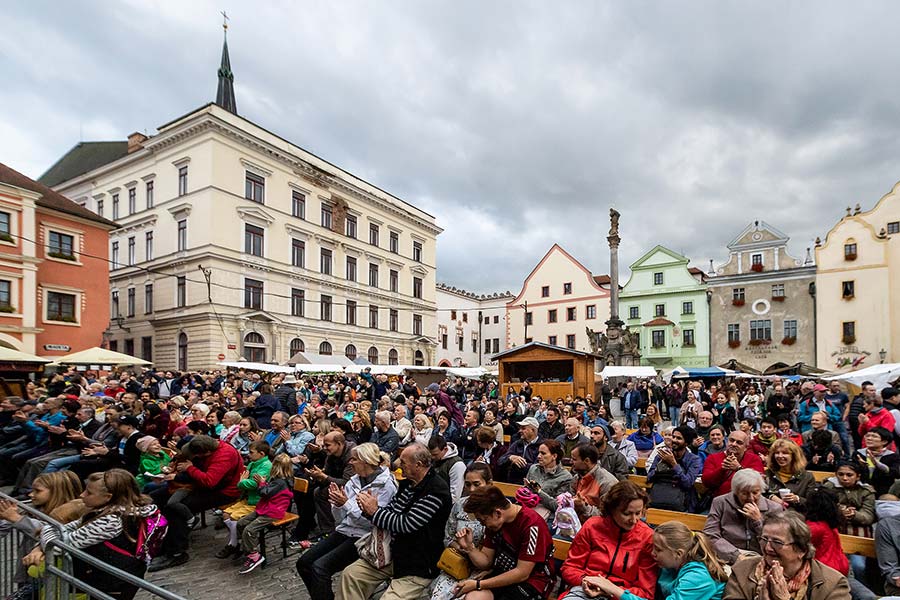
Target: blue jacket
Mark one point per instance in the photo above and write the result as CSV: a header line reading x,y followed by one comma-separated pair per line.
x,y
808,407
683,475
690,582
645,442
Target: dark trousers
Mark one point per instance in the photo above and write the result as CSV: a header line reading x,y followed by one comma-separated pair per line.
x,y
306,511
179,508
317,565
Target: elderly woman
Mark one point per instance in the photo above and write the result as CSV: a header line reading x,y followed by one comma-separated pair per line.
x,y
787,569
787,479
300,437
734,524
547,478
645,438
231,422
421,431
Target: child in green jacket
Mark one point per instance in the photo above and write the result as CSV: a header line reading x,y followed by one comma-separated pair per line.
x,y
257,469
153,459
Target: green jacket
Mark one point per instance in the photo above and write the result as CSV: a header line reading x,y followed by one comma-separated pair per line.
x,y
153,464
861,497
249,486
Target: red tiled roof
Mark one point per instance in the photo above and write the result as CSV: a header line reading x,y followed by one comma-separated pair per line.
x,y
602,279
658,322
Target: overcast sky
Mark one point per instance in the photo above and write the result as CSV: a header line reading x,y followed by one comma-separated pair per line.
x,y
517,124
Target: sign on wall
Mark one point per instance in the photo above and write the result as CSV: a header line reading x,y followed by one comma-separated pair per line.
x,y
57,347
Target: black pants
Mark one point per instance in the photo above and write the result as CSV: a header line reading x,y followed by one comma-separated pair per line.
x,y
317,565
179,508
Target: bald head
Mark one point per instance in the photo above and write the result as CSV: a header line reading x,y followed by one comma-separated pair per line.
x,y
334,443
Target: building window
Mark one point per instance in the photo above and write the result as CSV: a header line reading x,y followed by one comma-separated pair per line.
x,y
394,242
756,259
132,201
417,324
149,192
848,290
130,303
115,255
131,251
298,205
551,340
6,295
5,226
351,226
658,338
325,261
373,275
551,315
298,253
148,245
848,332
570,341
182,352
487,346
452,315
417,251
182,180
737,294
545,291
99,208
115,203
571,313
129,346
254,347
657,279
373,317
325,308
254,187
761,330
394,357
893,227
659,310
417,287
326,217
373,355
529,320
296,346
688,337
182,235
350,352
395,280
253,294
62,245
325,349
253,240
590,311
778,290
474,345
790,329
148,298
687,308
373,234
351,268
181,291
114,304
298,303
567,288
460,340
147,348
496,319
850,251
444,341
634,312
61,307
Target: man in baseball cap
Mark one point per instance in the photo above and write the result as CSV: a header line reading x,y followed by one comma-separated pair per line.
x,y
522,453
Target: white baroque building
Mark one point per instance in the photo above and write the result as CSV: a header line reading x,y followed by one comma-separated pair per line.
x,y
471,327
300,255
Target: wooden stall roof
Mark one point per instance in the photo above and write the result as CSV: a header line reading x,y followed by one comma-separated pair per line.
x,y
532,345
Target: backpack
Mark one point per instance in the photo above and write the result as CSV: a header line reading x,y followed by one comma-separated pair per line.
x,y
151,533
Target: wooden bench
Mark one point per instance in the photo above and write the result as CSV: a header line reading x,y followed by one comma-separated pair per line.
x,y
301,486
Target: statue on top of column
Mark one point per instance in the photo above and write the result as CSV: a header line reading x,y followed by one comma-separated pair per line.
x,y
613,221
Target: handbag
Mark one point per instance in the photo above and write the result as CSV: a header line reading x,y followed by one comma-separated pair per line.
x,y
454,563
375,547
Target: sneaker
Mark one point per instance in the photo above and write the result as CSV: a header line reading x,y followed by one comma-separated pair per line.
x,y
299,544
253,560
193,522
166,562
227,552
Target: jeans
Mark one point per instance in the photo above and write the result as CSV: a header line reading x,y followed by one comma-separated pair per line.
x,y
841,429
179,508
318,565
631,418
674,413
858,590
61,464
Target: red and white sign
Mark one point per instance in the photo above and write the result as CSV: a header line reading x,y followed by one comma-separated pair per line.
x,y
221,357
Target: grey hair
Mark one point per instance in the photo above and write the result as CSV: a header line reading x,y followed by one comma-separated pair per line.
x,y
384,415
797,529
668,430
747,478
420,453
617,424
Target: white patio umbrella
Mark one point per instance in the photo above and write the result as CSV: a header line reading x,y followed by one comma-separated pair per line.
x,y
100,357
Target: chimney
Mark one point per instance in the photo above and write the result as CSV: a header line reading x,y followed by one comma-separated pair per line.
x,y
136,141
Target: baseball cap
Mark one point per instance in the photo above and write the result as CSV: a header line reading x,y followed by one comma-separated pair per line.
x,y
820,388
529,421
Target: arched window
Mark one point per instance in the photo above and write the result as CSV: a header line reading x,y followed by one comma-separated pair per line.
x,y
419,358
255,347
325,349
182,352
373,355
297,345
393,357
350,351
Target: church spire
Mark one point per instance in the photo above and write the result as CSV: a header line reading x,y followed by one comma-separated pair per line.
x,y
225,93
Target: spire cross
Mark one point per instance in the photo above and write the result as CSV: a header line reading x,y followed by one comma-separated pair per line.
x,y
224,20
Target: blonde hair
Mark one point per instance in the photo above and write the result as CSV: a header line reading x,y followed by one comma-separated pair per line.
x,y
177,401
371,455
798,460
675,536
64,486
282,467
425,420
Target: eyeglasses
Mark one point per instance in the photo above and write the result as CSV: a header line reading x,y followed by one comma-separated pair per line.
x,y
777,544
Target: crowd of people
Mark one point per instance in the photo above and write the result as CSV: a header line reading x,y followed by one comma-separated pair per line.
x,y
400,482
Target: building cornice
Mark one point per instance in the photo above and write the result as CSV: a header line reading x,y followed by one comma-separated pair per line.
x,y
763,277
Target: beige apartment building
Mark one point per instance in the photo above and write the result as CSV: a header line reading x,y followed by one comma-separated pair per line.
x,y
471,327
236,243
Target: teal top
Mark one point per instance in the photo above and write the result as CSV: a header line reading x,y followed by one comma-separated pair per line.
x,y
691,582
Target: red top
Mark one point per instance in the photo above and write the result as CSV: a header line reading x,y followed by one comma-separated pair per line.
x,y
883,418
221,470
718,480
827,542
526,538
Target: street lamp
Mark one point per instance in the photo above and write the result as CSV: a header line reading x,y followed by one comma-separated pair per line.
x,y
882,354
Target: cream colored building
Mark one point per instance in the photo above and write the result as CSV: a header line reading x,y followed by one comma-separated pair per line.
x,y
858,287
471,327
300,255
559,301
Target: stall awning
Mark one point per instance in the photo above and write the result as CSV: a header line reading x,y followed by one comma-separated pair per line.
x,y
880,375
617,371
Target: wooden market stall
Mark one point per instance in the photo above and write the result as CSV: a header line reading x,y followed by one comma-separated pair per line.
x,y
552,371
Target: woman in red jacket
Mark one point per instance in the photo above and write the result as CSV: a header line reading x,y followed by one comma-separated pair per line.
x,y
617,546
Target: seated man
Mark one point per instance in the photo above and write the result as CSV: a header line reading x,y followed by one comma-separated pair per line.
x,y
819,422
385,436
517,550
822,454
571,438
522,453
720,468
591,482
764,438
610,459
673,473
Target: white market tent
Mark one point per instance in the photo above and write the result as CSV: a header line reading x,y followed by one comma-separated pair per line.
x,y
255,366
618,371
375,369
8,355
695,372
99,357
879,375
467,372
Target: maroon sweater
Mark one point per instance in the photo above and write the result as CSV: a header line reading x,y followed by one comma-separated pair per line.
x,y
219,471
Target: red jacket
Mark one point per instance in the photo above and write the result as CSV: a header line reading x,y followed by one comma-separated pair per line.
x,y
623,557
718,480
883,418
219,471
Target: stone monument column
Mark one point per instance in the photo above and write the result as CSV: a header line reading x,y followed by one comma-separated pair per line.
x,y
614,239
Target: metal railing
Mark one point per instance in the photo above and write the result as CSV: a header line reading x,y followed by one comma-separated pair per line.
x,y
57,580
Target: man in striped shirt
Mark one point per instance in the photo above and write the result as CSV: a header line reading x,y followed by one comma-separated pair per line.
x,y
415,518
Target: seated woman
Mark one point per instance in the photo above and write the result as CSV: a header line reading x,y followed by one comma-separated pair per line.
x,y
478,475
445,426
490,449
787,479
734,524
317,565
614,548
856,500
645,439
547,478
787,569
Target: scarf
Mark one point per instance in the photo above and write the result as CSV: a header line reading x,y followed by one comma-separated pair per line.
x,y
797,585
766,441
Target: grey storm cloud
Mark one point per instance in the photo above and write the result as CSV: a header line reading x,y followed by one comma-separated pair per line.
x,y
517,124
